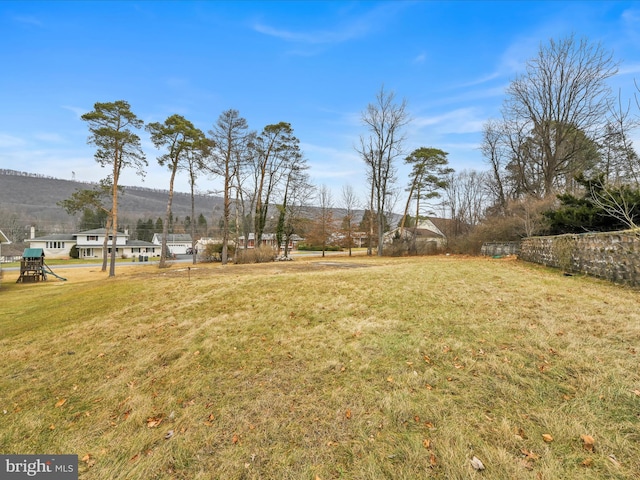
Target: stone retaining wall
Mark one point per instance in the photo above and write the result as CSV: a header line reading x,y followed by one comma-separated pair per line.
x,y
500,248
614,256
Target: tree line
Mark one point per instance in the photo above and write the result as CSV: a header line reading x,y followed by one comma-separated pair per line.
x,y
561,133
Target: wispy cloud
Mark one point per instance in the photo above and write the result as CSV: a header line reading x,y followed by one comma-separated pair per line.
x,y
631,16
10,141
459,121
49,137
358,25
629,69
420,58
78,111
28,20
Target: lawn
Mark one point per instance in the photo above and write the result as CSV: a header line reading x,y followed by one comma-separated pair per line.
x,y
335,368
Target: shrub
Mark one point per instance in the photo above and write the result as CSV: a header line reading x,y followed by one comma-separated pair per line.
x,y
213,252
261,254
318,248
74,252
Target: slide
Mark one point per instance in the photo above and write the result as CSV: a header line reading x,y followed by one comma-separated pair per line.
x,y
49,271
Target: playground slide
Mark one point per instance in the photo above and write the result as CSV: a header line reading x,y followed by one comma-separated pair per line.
x,y
48,270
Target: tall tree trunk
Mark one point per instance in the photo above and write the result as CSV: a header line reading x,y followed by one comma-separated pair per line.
x,y
165,227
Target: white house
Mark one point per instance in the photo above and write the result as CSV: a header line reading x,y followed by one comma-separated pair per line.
x,y
426,232
90,244
177,243
4,240
270,240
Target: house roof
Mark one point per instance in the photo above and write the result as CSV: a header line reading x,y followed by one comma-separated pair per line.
x,y
99,231
174,237
140,243
4,239
53,238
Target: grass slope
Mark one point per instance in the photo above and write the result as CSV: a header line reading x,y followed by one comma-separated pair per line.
x,y
321,369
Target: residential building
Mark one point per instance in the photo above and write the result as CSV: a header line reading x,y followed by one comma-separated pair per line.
x,y
90,244
177,243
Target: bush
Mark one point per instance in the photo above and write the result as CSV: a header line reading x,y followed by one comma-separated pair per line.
x,y
318,248
213,252
262,254
74,252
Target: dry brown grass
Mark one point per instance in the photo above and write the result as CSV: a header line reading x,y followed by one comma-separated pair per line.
x,y
324,368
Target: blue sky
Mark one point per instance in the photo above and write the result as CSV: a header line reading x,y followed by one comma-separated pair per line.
x,y
315,65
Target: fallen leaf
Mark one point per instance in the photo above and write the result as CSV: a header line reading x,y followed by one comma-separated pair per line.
x,y
235,439
347,414
427,359
528,455
477,464
547,438
153,422
637,392
390,379
86,458
426,443
588,442
612,458
52,427
432,460
587,462
61,402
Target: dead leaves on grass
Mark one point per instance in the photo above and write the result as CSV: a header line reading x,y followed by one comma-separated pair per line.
x,y
588,443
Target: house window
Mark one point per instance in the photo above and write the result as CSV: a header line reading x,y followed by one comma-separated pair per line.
x,y
55,245
91,238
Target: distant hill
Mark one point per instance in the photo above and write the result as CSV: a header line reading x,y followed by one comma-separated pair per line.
x,y
33,198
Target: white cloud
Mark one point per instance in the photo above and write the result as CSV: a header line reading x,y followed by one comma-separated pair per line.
x,y
629,69
631,16
10,141
459,121
420,58
49,137
357,26
78,111
28,20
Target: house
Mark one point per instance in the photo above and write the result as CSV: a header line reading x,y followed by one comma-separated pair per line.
x,y
4,240
177,243
426,234
90,244
268,239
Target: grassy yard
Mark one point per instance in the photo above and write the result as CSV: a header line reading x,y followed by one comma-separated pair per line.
x,y
335,368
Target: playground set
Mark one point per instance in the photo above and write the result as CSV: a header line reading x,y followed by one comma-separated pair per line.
x,y
33,268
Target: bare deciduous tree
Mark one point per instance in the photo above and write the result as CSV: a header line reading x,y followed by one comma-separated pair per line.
x,y
384,119
229,135
561,101
349,203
